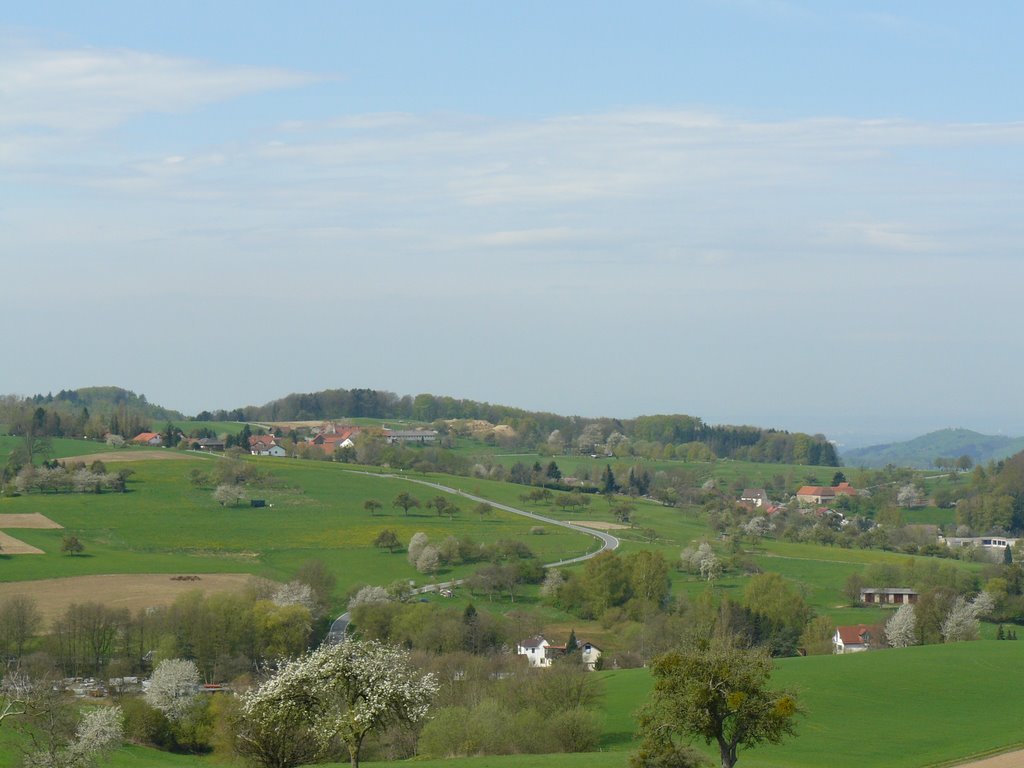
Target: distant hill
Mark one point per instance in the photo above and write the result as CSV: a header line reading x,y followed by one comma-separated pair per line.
x,y
922,451
107,400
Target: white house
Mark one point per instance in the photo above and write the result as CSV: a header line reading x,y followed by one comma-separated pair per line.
x,y
855,638
265,445
540,653
535,649
589,654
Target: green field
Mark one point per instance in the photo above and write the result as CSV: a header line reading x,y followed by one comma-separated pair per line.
x,y
163,525
914,707
909,708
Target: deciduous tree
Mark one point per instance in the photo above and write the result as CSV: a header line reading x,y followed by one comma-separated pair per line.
x,y
340,692
173,687
718,693
405,501
901,628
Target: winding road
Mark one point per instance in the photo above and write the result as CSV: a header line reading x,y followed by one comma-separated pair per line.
x,y
608,542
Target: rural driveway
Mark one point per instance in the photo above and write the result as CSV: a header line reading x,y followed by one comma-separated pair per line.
x,y
608,542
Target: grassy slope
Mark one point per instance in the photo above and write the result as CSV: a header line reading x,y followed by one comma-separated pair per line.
x,y
905,708
166,525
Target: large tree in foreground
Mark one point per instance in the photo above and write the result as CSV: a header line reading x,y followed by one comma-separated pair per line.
x,y
719,693
340,692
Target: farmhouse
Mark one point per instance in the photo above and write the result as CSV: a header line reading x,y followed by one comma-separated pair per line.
x,y
541,654
856,638
208,444
265,445
341,437
824,494
887,596
535,649
756,497
148,438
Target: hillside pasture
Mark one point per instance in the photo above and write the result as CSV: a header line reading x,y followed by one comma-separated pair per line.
x,y
164,524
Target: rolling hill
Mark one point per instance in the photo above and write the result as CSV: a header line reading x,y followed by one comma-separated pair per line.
x,y
922,451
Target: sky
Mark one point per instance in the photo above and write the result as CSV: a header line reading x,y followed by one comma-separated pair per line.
x,y
799,215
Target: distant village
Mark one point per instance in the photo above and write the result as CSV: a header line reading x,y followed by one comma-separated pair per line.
x,y
328,437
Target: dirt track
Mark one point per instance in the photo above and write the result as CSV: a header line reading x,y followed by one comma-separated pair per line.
x,y
131,590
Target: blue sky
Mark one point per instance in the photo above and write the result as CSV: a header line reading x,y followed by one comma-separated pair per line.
x,y
793,214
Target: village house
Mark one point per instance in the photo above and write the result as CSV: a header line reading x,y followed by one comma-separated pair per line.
x,y
341,437
824,494
541,654
265,445
535,649
148,438
856,638
756,497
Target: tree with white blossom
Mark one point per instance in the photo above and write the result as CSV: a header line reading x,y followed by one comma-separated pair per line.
x,y
901,628
339,692
962,621
173,687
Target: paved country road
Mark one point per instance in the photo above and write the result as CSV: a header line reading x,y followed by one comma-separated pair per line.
x,y
608,542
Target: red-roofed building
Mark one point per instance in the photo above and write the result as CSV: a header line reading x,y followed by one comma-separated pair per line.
x,y
343,437
855,638
824,494
148,438
265,445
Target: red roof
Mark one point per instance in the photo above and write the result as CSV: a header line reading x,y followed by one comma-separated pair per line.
x,y
145,437
857,634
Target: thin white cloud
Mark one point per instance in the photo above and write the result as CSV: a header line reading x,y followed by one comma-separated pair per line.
x,y
52,95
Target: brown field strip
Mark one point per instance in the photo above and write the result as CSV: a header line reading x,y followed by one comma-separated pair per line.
x,y
12,546
1006,760
115,456
130,590
33,520
599,525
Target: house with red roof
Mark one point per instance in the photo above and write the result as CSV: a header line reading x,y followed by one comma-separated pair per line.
x,y
148,438
265,445
540,653
342,437
824,494
855,638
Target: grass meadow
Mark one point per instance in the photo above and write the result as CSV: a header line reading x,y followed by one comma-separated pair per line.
x,y
909,708
165,525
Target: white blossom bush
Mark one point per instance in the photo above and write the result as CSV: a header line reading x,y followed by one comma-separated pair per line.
x,y
429,560
369,594
99,731
901,628
553,581
963,620
173,687
338,692
295,593
416,544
